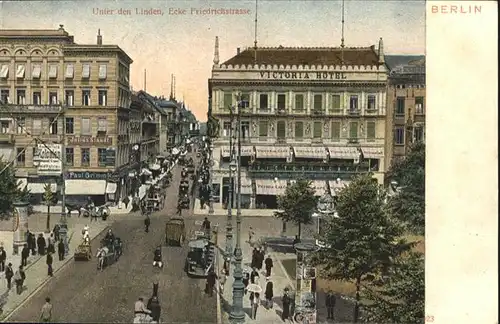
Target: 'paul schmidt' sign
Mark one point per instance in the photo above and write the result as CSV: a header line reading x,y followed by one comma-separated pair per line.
x,y
280,75
90,140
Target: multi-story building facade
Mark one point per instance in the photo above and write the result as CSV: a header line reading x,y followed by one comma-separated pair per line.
x,y
168,110
405,107
73,96
315,113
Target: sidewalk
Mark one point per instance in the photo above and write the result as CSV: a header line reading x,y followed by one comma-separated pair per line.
x,y
222,212
278,276
36,271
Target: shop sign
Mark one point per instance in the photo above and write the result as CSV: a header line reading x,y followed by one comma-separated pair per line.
x,y
48,159
87,175
90,140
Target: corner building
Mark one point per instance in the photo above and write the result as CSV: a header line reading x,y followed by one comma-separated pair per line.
x,y
58,91
314,113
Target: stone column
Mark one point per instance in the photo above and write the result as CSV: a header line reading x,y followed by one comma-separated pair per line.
x,y
305,298
20,228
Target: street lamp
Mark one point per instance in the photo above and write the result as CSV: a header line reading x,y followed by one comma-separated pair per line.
x,y
210,176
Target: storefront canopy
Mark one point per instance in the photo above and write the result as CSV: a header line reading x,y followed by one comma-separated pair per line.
x,y
272,152
85,187
373,152
309,152
343,152
39,188
270,187
245,151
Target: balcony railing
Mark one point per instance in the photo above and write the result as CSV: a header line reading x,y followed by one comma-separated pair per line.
x,y
293,140
7,138
353,111
281,111
318,112
32,109
353,140
336,111
371,110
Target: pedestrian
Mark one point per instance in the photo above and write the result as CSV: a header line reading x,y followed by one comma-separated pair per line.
x,y
246,280
9,273
222,280
260,259
211,278
19,277
56,231
32,243
46,313
25,253
155,309
50,260
3,258
60,250
40,243
269,265
269,294
330,302
253,264
179,208
285,301
255,305
147,223
51,248
250,235
253,275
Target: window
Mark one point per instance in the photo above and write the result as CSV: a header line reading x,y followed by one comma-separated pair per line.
x,y
53,126
37,71
70,156
70,71
281,129
103,97
20,71
228,100
336,130
53,98
102,71
226,129
102,125
245,100
353,130
318,102
21,97
101,156
69,95
317,130
299,102
21,156
399,136
281,102
299,130
85,97
4,71
400,106
245,129
69,125
419,105
370,130
418,134
5,126
52,71
371,102
336,102
86,126
263,128
263,102
85,156
353,103
85,71
37,98
21,125
36,128
4,96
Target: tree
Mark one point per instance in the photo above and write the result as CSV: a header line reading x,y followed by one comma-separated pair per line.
x,y
10,189
400,297
363,240
48,197
408,204
297,204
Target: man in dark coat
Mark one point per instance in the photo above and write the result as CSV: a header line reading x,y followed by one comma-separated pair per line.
x,y
32,243
253,264
211,277
269,294
285,300
25,253
147,223
330,301
3,258
155,309
60,250
253,275
260,259
9,273
50,260
40,242
269,265
56,232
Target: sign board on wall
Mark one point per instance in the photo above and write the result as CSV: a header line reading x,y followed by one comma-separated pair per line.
x,y
48,159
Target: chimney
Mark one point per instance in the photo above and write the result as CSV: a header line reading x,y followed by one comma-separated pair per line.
x,y
237,51
381,58
99,37
61,27
216,51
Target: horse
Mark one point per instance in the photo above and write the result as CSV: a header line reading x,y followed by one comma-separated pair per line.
x,y
93,213
101,256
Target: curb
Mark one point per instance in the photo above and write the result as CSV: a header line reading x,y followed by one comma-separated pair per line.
x,y
41,285
282,267
218,292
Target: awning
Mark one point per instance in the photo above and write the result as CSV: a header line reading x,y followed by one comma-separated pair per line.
x,y
85,187
343,152
246,185
245,151
272,152
175,151
373,152
111,188
319,187
308,152
337,185
270,187
39,188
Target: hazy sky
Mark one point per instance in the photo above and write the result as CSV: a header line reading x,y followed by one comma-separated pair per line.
x,y
184,44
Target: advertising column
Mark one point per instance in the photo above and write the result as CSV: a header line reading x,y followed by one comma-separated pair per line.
x,y
20,228
305,296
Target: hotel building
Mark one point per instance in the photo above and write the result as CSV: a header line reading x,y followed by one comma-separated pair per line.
x,y
314,113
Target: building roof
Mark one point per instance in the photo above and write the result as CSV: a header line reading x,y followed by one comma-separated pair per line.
x,y
393,61
306,56
151,100
98,48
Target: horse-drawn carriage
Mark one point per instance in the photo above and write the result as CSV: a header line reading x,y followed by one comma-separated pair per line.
x,y
183,187
200,258
175,231
109,252
83,251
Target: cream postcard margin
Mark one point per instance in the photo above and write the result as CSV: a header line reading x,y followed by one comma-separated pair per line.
x,y
462,162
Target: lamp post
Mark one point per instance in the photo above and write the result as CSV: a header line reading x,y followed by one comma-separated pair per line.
x,y
210,177
237,314
63,226
232,168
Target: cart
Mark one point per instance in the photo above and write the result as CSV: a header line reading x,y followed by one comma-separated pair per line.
x,y
83,252
175,231
200,257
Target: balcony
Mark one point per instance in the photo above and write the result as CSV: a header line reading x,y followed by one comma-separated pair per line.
x,y
33,109
371,111
353,112
264,110
6,138
317,140
336,111
309,170
353,140
281,140
281,112
317,112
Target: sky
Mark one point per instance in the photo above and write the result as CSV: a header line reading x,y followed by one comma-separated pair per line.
x,y
183,44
